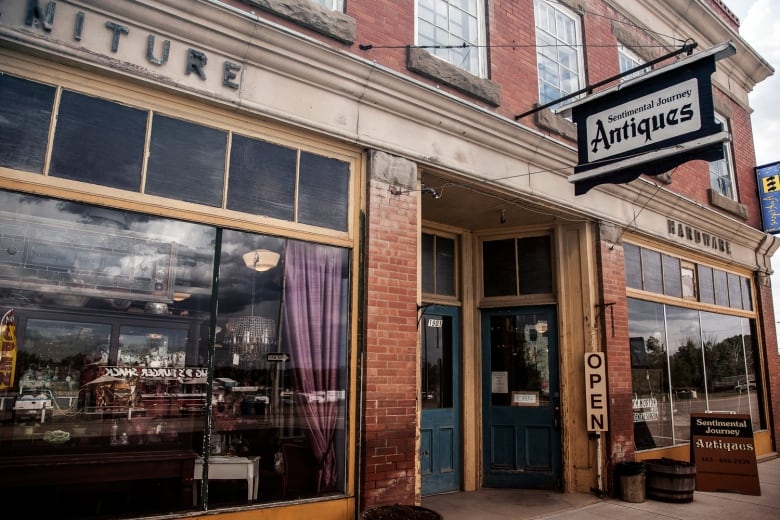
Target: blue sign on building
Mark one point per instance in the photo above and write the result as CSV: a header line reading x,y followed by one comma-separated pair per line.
x,y
769,195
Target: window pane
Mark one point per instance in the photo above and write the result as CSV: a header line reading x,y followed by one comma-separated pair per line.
x,y
672,277
535,265
731,364
747,299
25,116
437,384
262,178
116,343
649,375
735,291
186,161
706,285
499,267
721,287
323,198
427,269
557,39
651,271
445,266
686,368
263,406
456,22
99,142
688,274
633,266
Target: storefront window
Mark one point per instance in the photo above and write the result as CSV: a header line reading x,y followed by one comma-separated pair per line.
x,y
687,361
142,355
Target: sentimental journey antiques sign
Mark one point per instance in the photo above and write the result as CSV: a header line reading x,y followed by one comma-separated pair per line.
x,y
724,452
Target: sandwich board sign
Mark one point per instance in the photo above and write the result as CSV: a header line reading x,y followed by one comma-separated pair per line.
x,y
724,452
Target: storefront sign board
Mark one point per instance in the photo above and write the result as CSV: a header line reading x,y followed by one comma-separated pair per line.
x,y
650,124
596,392
724,452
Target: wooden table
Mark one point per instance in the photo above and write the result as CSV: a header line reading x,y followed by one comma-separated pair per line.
x,y
230,468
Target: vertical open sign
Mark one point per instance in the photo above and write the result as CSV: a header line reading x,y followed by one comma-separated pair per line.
x,y
596,392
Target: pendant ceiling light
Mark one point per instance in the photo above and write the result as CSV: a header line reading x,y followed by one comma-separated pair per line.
x,y
261,259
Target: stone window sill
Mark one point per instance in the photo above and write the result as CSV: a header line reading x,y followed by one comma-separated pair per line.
x,y
327,22
726,204
426,64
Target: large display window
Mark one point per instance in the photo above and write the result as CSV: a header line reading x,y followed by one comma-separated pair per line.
x,y
687,361
154,366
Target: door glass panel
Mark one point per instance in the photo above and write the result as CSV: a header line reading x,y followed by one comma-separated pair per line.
x,y
437,362
519,361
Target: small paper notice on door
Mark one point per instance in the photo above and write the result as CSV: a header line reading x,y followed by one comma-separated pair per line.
x,y
525,398
500,382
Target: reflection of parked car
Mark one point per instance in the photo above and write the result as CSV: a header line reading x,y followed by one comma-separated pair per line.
x,y
742,385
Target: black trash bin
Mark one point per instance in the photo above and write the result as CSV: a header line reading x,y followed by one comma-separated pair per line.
x,y
631,476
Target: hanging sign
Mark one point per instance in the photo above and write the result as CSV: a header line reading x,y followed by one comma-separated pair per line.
x,y
769,196
649,124
7,350
724,452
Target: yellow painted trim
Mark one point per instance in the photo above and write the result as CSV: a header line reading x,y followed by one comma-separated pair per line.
x,y
343,509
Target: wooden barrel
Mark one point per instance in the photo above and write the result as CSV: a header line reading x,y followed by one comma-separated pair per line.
x,y
670,480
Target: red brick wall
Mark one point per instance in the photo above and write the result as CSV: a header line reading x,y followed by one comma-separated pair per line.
x,y
390,373
613,321
769,345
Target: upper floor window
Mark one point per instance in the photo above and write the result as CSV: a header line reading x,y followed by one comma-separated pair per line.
x,y
335,5
722,171
558,50
628,60
454,31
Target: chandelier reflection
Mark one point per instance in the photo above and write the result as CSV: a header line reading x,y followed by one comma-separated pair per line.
x,y
251,337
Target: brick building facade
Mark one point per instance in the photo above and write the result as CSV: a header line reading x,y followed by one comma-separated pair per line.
x,y
435,283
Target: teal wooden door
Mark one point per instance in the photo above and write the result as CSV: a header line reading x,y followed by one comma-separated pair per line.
x,y
440,397
521,398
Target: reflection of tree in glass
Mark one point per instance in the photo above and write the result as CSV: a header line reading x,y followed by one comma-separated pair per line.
x,y
725,359
686,366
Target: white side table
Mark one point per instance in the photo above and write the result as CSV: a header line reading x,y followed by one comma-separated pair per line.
x,y
230,468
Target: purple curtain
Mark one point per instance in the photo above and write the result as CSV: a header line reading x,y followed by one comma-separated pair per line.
x,y
312,321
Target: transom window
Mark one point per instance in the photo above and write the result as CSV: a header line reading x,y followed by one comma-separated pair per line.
x,y
438,265
722,171
517,266
103,142
660,273
453,31
558,51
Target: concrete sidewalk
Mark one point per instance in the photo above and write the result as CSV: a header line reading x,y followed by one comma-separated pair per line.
x,y
521,504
